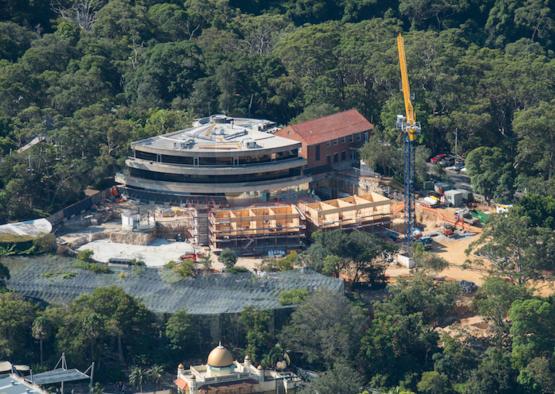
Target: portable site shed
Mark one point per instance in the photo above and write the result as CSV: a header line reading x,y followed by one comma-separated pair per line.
x,y
457,197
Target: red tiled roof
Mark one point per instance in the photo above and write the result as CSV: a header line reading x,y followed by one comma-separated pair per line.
x,y
181,384
330,127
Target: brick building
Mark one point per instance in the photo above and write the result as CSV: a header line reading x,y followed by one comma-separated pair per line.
x,y
331,140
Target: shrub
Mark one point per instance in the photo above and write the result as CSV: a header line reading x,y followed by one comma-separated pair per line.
x,y
84,255
97,268
285,263
170,264
228,258
293,296
138,263
237,270
45,244
185,269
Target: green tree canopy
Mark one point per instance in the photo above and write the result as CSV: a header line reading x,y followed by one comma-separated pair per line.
x,y
324,326
105,326
15,327
514,248
180,332
490,172
342,378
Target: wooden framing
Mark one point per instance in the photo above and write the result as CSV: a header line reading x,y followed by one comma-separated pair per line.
x,y
349,212
257,230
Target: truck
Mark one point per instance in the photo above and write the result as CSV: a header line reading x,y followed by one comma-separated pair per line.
x,y
426,242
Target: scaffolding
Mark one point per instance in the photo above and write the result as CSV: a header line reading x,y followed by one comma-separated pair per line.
x,y
269,230
348,213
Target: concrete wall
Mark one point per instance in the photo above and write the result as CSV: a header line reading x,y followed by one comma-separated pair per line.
x,y
79,207
276,165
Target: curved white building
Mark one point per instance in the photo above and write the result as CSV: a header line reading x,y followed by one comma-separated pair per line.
x,y
218,156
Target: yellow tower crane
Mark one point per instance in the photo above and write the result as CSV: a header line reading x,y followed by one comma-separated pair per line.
x,y
410,129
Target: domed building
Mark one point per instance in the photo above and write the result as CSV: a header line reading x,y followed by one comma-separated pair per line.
x,y
220,362
222,374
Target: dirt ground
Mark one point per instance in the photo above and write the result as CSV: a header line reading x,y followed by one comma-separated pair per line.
x,y
453,250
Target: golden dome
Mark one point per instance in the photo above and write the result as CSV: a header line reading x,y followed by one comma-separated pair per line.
x,y
220,357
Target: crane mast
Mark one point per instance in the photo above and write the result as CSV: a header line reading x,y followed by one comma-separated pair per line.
x,y
410,129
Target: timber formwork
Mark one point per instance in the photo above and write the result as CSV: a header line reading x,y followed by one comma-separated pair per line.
x,y
353,212
257,230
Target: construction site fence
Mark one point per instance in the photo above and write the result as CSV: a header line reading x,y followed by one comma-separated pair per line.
x,y
78,208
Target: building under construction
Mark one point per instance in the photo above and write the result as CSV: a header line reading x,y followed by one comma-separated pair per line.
x,y
257,230
353,212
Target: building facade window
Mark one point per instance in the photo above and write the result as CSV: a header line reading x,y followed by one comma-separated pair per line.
x,y
343,156
317,152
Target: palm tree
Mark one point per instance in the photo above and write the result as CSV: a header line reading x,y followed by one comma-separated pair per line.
x,y
155,375
41,331
137,377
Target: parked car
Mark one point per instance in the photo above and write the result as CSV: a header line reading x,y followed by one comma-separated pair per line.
x,y
467,286
436,159
447,161
457,167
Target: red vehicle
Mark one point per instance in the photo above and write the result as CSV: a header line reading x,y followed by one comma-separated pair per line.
x,y
437,158
191,256
448,229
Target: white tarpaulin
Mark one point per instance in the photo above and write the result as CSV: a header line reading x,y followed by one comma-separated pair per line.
x,y
24,231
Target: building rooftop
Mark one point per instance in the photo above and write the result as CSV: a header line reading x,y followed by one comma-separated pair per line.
x,y
330,127
11,384
218,133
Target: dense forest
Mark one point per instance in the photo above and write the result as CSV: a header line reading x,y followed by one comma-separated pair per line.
x,y
86,77
91,75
